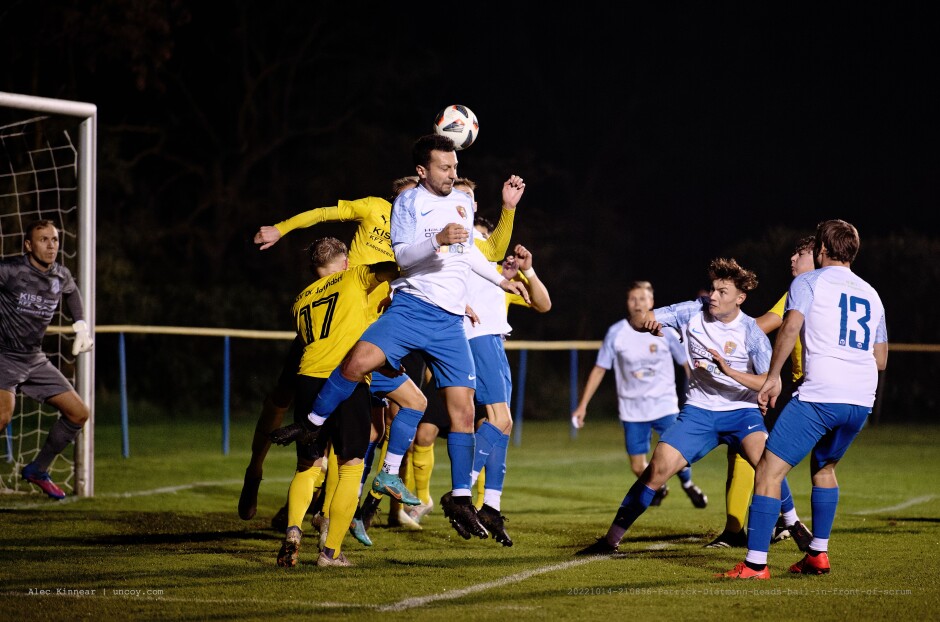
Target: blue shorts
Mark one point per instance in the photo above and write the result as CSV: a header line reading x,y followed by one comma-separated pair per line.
x,y
494,382
637,434
698,431
826,429
382,385
411,324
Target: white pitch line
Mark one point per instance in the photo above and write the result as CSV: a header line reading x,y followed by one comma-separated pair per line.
x,y
901,506
410,603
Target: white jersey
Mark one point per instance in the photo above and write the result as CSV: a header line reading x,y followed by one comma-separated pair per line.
x,y
435,274
644,371
843,319
488,301
741,342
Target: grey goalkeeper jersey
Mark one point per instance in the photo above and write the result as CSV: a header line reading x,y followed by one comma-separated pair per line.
x,y
29,298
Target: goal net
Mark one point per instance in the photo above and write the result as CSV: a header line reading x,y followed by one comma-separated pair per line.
x,y
47,171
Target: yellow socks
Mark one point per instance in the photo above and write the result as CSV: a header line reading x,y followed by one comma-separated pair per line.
x,y
481,488
332,481
740,486
343,507
299,495
422,463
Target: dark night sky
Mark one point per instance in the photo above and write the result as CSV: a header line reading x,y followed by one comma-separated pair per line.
x,y
652,139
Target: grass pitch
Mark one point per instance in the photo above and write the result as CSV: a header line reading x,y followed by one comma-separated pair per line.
x,y
162,540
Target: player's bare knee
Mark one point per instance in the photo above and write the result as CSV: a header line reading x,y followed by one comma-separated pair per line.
x,y
79,416
461,420
72,407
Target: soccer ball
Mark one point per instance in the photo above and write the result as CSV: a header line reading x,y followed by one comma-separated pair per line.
x,y
459,124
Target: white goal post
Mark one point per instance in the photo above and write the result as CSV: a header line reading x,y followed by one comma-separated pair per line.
x,y
86,174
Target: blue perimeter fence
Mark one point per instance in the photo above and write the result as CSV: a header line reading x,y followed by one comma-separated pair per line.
x,y
227,335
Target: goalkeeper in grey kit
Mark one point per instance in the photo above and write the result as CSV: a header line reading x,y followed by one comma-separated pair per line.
x,y
31,287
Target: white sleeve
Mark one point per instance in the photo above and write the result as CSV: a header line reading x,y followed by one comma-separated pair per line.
x,y
408,255
480,265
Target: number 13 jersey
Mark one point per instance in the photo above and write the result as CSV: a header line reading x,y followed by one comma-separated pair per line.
x,y
843,320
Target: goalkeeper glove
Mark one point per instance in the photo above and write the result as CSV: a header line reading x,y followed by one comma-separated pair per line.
x,y
83,340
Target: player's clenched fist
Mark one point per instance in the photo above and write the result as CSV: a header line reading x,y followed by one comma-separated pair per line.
x,y
454,233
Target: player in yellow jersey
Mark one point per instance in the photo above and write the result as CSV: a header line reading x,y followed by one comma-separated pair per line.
x,y
740,483
370,245
330,317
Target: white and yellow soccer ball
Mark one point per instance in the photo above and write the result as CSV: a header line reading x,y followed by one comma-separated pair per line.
x,y
459,124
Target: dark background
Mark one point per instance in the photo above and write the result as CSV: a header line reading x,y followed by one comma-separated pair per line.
x,y
651,140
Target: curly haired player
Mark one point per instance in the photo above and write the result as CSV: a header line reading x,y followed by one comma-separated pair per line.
x,y
729,355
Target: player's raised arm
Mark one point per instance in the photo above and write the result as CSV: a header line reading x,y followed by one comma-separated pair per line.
x,y
267,237
540,300
513,189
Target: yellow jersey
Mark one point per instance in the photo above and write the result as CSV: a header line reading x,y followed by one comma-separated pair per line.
x,y
329,317
372,242
796,357
494,248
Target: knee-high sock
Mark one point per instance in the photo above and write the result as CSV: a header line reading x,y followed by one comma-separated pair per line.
x,y
384,450
786,497
740,487
760,527
299,495
332,481
487,435
460,449
422,464
61,434
824,502
496,463
367,464
343,507
636,501
401,433
334,391
685,475
496,467
407,472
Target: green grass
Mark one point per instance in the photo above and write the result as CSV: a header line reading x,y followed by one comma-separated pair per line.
x,y
164,520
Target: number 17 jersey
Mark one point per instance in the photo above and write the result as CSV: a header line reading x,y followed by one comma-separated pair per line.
x,y
330,316
843,319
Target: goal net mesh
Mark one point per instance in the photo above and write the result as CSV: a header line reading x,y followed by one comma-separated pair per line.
x,y
38,180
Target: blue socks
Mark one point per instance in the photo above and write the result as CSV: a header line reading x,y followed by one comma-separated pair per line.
x,y
496,464
635,503
402,432
486,438
367,461
824,502
786,499
761,520
460,450
685,475
334,391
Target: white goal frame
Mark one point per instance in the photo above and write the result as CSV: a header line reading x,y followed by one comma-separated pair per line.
x,y
87,175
